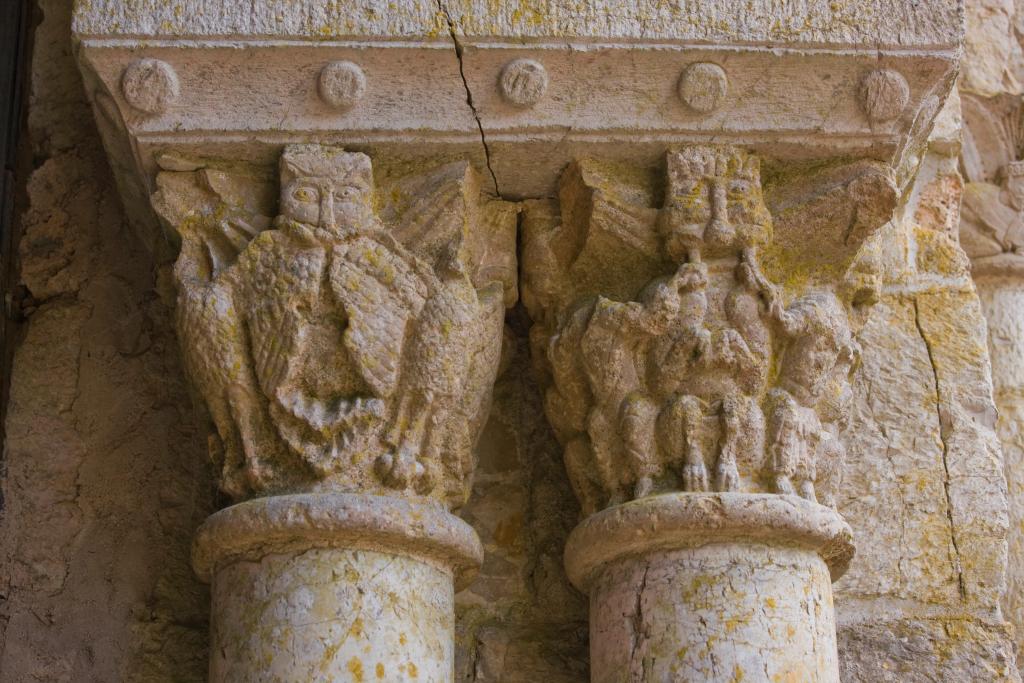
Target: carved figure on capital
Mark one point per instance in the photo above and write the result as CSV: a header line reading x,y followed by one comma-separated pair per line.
x,y
334,351
992,217
662,343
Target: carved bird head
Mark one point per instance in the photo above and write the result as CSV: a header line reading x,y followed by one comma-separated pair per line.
x,y
327,187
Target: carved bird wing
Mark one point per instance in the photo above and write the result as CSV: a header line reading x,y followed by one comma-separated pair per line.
x,y
214,227
447,209
569,400
823,215
279,276
273,331
480,360
381,290
214,214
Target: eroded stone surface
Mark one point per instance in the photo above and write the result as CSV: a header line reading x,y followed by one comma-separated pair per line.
x,y
656,329
991,233
722,612
332,615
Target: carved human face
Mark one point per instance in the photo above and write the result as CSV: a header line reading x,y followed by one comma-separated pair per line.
x,y
329,203
714,202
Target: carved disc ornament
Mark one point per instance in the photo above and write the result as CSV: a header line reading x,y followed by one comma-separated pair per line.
x,y
341,84
150,85
703,86
523,82
884,95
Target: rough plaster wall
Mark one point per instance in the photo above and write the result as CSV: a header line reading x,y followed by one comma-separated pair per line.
x,y
521,621
103,485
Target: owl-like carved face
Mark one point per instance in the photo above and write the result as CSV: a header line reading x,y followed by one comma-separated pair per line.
x,y
713,203
325,187
326,202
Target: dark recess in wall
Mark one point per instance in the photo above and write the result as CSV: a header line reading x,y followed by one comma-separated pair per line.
x,y
15,51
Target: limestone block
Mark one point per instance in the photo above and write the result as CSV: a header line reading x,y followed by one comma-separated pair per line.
x,y
921,650
991,235
993,58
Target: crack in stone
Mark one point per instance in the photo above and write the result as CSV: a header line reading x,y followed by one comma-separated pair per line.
x,y
469,93
638,625
957,564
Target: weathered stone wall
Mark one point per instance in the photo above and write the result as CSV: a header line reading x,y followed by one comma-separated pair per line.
x,y
924,490
992,83
104,479
106,476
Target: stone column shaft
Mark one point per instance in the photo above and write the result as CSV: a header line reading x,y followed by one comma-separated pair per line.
x,y
334,587
722,587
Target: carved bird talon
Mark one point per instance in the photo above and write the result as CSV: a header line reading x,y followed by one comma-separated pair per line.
x,y
643,488
727,477
695,477
398,470
783,485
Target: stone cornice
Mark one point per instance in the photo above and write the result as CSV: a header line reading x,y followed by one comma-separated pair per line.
x,y
820,82
874,23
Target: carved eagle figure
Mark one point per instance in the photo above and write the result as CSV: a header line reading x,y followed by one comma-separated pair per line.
x,y
329,339
216,358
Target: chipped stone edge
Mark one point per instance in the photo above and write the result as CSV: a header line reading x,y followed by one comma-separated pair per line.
x,y
687,520
255,528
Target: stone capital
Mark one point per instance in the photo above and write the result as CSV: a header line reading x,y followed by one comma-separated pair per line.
x,y
678,351
343,186
695,332
342,332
